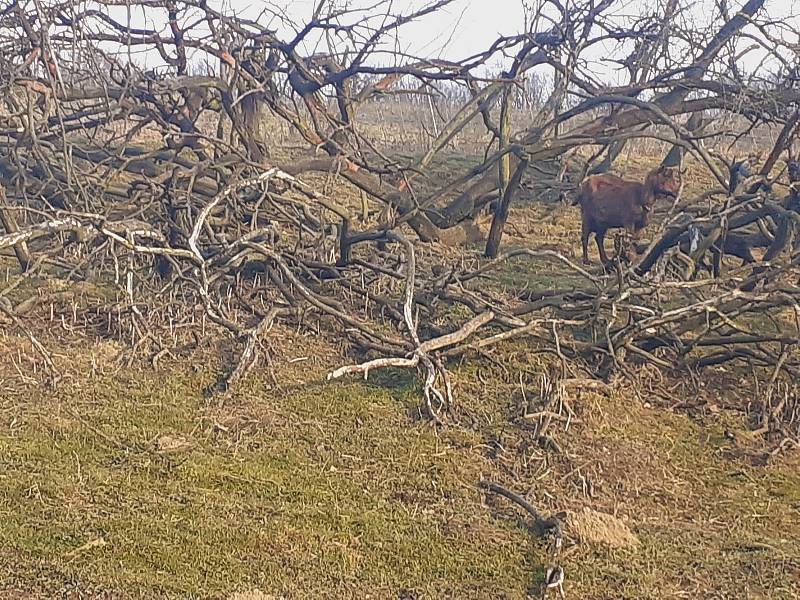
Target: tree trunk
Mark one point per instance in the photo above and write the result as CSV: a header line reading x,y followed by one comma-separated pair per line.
x,y
675,156
10,225
501,214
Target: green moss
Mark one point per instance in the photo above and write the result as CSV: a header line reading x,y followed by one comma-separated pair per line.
x,y
335,490
328,490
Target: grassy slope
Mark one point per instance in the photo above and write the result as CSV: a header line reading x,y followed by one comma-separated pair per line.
x,y
322,491
336,490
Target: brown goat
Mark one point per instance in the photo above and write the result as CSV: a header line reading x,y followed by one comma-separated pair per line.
x,y
608,202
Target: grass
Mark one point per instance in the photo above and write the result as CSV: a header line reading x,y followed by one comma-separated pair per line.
x,y
131,482
327,492
127,482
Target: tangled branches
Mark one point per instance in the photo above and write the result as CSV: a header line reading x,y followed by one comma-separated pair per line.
x,y
162,180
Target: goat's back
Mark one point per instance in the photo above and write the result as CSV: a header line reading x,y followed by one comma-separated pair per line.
x,y
610,201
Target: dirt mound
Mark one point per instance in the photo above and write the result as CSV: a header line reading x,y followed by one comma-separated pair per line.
x,y
252,595
168,443
593,527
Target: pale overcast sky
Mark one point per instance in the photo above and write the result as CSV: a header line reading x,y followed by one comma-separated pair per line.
x,y
461,29
467,26
456,31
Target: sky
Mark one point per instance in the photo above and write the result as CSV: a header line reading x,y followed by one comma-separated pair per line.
x,y
467,26
460,29
463,28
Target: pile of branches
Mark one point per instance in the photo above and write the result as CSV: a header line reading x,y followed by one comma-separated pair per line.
x,y
207,219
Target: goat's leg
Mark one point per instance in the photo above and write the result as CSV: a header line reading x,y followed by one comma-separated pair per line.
x,y
633,237
702,263
586,230
716,262
600,237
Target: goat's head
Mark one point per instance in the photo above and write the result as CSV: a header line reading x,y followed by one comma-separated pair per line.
x,y
666,181
739,171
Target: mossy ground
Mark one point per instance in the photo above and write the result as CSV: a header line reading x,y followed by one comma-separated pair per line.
x,y
128,482
327,491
